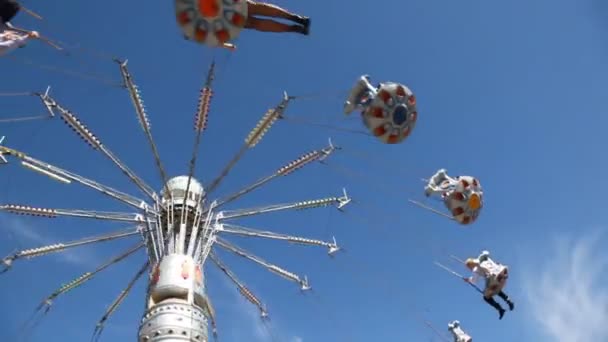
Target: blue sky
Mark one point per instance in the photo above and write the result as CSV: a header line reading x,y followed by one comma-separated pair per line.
x,y
510,92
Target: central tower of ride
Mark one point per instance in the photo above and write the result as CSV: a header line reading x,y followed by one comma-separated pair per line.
x,y
177,306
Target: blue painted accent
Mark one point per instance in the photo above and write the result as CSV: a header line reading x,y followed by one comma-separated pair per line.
x,y
400,115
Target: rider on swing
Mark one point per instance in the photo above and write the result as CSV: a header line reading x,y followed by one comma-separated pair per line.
x,y
457,332
10,37
496,276
436,183
360,95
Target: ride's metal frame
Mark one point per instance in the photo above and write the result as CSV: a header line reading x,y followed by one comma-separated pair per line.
x,y
211,224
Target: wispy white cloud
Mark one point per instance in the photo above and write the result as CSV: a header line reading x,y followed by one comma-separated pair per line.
x,y
566,290
24,232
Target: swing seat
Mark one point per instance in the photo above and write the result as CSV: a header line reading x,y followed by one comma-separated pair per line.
x,y
465,199
211,22
497,282
391,114
461,336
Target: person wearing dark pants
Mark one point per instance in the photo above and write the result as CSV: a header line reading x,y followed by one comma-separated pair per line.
x,y
490,300
8,10
495,276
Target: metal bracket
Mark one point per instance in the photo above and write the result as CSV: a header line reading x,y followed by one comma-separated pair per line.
x,y
344,200
2,158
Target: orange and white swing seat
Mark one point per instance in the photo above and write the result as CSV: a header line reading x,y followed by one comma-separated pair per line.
x,y
211,22
464,199
388,111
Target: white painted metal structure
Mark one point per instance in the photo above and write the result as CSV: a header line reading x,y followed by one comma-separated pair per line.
x,y
179,227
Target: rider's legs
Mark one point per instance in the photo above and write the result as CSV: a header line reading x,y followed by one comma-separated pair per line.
x,y
507,300
266,25
255,8
495,305
8,10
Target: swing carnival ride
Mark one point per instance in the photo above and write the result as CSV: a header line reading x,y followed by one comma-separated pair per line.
x,y
462,195
179,228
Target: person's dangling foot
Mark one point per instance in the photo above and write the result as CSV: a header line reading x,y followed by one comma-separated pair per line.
x,y
299,29
302,20
306,29
306,23
507,300
495,305
511,305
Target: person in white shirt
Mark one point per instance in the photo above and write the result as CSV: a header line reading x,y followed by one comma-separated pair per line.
x,y
360,95
495,275
439,182
11,38
457,332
